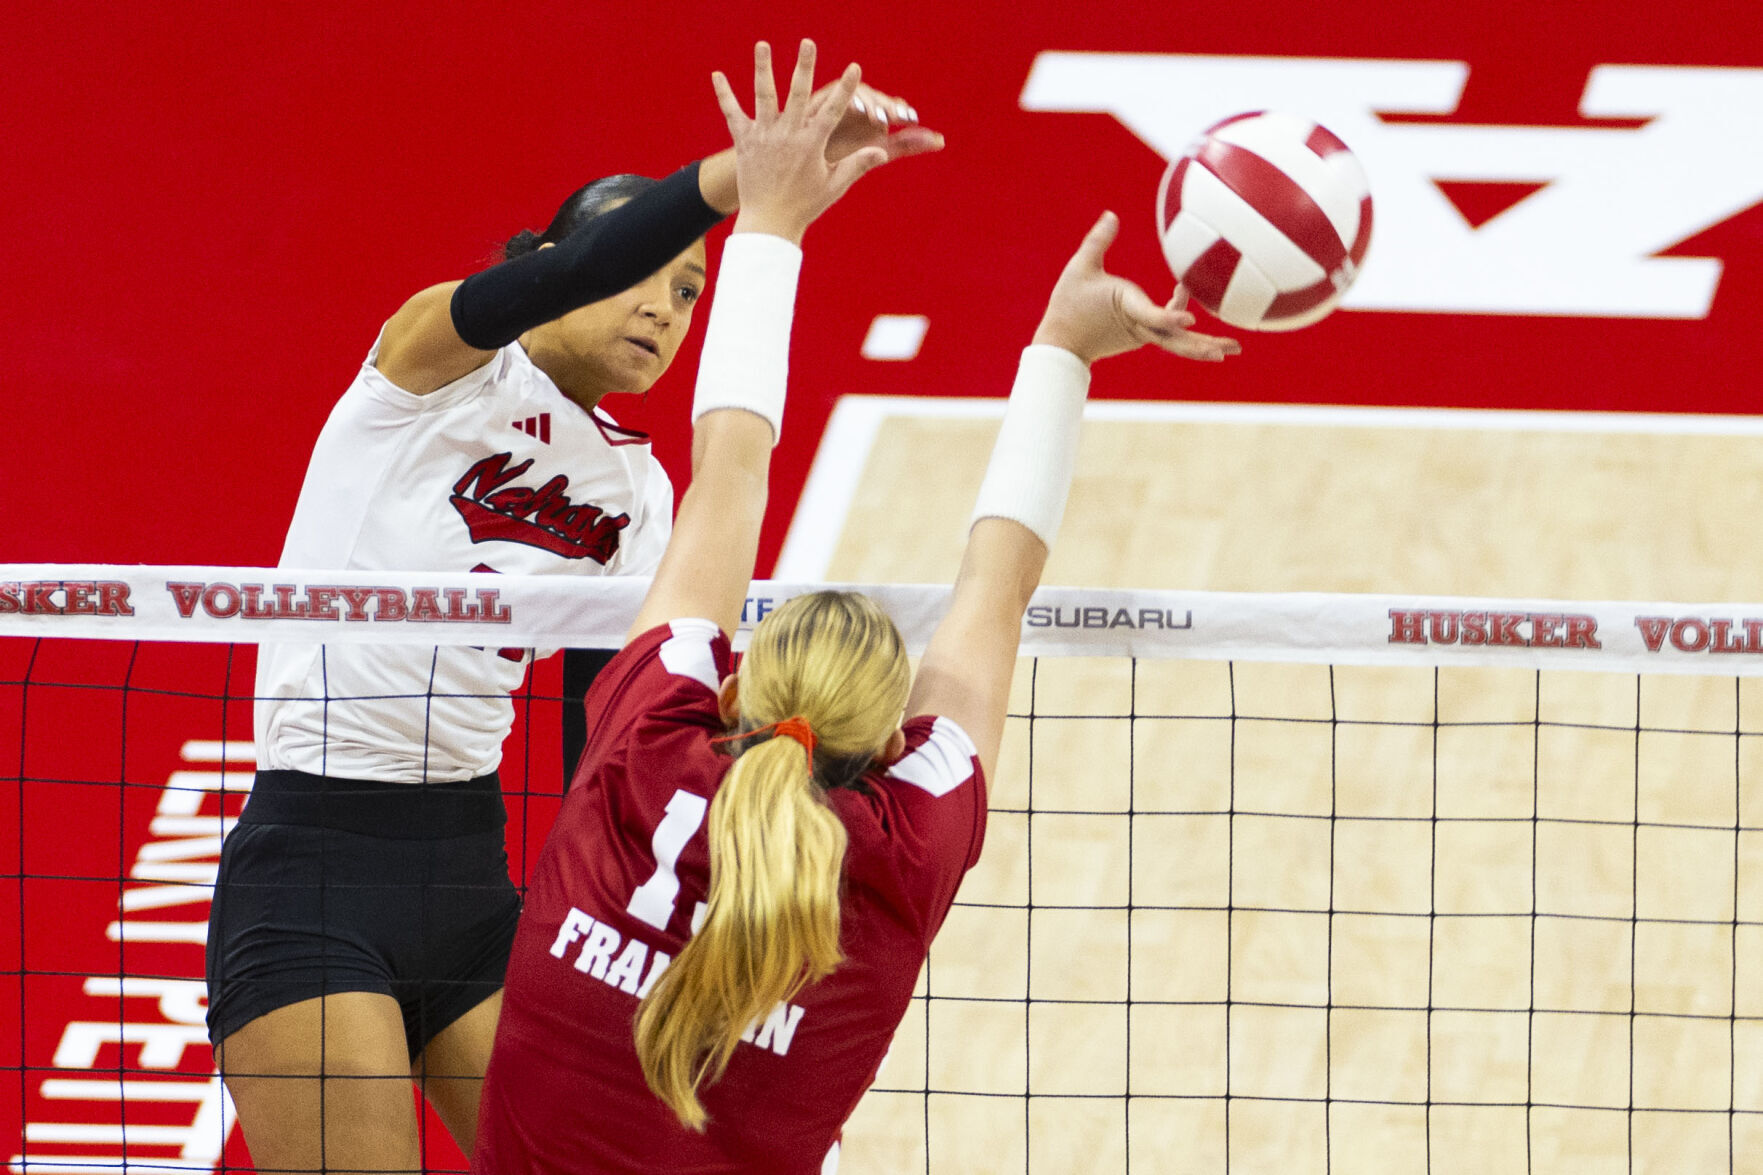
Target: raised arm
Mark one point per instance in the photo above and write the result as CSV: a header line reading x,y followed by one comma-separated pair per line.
x,y
785,182
966,670
870,119
452,329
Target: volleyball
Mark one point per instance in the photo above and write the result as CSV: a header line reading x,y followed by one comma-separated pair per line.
x,y
1265,220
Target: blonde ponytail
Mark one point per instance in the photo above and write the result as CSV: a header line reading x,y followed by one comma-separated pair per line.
x,y
777,848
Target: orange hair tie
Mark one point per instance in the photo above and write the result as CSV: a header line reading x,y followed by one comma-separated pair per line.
x,y
796,728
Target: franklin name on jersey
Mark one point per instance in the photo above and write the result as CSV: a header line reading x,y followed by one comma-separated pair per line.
x,y
620,890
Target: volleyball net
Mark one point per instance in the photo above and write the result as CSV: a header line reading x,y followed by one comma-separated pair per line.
x,y
1294,883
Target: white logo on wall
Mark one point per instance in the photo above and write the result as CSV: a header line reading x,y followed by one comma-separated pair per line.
x,y
1583,244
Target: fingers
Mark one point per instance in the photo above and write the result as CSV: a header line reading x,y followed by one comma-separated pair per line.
x,y
1207,348
1211,348
731,106
893,110
873,103
1096,241
802,81
914,140
884,109
867,103
764,85
1151,322
1167,326
853,168
839,100
823,97
797,156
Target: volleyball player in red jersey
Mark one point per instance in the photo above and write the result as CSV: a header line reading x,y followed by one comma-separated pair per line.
x,y
726,923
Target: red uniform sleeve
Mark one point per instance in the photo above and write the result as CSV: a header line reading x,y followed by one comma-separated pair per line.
x,y
922,825
670,672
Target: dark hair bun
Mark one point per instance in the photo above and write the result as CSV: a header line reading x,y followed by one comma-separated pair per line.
x,y
521,243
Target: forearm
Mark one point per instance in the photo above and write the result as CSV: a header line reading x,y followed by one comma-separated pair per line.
x,y
716,182
725,507
745,361
1001,568
966,670
1029,476
736,412
731,464
1000,571
611,253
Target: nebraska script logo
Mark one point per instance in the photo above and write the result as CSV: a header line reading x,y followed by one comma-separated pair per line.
x,y
543,518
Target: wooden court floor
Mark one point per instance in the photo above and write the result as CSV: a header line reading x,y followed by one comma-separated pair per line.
x,y
1464,922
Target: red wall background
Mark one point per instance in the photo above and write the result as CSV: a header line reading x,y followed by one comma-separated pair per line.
x,y
211,208
208,210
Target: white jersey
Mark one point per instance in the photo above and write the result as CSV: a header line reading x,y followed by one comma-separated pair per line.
x,y
498,471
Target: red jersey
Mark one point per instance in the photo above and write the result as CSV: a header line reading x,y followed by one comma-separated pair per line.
x,y
619,888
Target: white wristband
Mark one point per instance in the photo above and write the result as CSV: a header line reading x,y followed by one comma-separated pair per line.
x,y
1029,476
746,358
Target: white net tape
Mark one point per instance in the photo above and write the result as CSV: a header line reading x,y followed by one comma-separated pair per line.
x,y
254,604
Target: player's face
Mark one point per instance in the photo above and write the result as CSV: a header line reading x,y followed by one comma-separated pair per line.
x,y
624,343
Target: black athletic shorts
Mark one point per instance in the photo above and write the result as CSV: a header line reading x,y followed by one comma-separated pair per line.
x,y
335,885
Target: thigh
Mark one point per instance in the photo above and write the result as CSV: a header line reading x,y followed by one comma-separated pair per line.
x,y
456,956
324,1085
298,913
451,1069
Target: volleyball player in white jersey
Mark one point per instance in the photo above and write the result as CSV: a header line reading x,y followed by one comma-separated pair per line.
x,y
363,912
727,920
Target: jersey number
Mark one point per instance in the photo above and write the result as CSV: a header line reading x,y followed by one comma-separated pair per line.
x,y
654,900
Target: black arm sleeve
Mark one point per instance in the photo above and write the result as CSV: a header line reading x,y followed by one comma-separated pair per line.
x,y
612,252
580,668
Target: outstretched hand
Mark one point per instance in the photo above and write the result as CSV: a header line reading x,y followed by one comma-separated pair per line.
x,y
875,119
782,170
1094,314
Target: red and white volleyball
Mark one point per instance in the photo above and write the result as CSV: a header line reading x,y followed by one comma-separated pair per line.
x,y
1265,220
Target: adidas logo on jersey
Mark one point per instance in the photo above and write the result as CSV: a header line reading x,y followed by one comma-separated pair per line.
x,y
536,426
